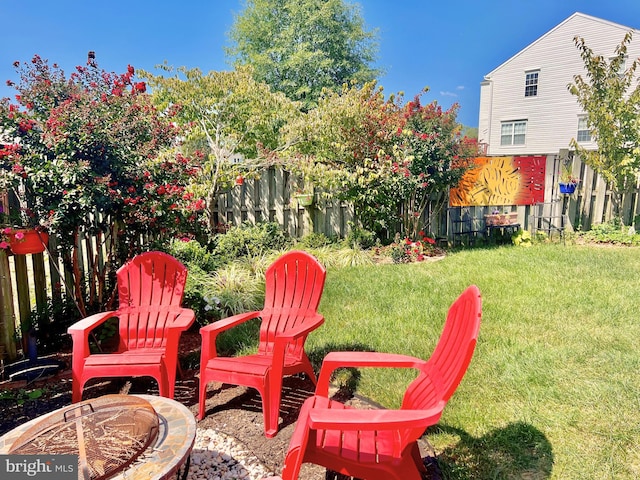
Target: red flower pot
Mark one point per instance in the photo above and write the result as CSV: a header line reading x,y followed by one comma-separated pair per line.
x,y
26,241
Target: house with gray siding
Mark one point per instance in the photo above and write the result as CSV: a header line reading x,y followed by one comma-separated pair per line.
x,y
525,106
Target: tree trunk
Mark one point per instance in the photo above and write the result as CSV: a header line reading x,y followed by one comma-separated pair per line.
x,y
77,277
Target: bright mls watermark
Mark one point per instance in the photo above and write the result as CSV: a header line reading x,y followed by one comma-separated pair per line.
x,y
39,467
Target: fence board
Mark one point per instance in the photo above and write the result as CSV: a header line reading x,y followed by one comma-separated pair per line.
x,y
39,281
7,318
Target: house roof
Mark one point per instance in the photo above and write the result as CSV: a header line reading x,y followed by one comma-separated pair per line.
x,y
560,25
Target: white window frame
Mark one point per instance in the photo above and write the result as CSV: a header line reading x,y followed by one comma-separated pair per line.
x,y
584,132
623,65
513,132
531,83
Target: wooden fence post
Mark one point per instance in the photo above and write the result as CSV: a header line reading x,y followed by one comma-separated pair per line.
x,y
7,318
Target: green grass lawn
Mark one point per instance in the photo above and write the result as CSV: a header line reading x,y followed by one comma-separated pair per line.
x,y
553,390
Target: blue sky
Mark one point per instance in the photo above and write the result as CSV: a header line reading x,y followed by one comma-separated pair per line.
x,y
446,45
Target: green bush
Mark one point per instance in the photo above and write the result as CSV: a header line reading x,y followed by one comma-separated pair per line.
x,y
614,232
360,237
231,289
314,240
198,285
521,238
250,240
193,253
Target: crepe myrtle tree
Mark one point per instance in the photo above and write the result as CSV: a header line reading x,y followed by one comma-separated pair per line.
x,y
90,154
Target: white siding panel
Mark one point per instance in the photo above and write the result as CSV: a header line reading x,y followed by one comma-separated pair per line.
x,y
552,116
484,120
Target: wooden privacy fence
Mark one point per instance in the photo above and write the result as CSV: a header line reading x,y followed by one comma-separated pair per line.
x,y
28,281
272,198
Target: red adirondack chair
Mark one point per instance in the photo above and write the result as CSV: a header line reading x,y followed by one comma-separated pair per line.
x,y
150,322
382,444
294,284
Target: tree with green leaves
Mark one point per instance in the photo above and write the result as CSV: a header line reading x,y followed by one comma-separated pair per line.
x,y
230,118
390,160
300,47
612,104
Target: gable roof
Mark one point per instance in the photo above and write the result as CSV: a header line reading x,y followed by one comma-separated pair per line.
x,y
560,25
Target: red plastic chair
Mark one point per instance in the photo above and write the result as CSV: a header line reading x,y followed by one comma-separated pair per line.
x,y
382,444
150,322
294,284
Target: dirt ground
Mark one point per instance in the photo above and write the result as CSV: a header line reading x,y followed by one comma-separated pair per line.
x,y
235,411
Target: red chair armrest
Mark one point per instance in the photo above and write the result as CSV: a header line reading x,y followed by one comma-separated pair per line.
x,y
210,332
80,331
184,320
303,329
89,323
229,322
352,419
335,360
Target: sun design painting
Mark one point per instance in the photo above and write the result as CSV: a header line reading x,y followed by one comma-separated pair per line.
x,y
501,181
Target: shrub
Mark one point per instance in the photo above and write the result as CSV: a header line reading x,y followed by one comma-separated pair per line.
x,y
521,238
314,240
193,253
249,239
237,290
360,237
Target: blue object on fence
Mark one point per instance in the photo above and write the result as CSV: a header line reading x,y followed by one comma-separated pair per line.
x,y
567,188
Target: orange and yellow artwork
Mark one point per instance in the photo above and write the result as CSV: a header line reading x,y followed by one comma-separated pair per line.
x,y
501,181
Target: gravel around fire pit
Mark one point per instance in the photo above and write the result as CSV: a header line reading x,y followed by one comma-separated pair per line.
x,y
216,455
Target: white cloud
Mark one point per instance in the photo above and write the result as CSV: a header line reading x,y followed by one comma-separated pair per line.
x,y
448,94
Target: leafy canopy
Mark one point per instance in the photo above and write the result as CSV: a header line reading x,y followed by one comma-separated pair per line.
x,y
300,47
389,159
89,154
612,105
228,116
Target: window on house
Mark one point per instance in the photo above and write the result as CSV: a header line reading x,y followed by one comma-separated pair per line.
x,y
531,83
513,133
584,134
623,65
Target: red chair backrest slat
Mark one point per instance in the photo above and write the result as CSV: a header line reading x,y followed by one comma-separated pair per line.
x,y
452,355
293,285
151,279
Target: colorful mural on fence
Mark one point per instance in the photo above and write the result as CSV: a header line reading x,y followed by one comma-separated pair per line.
x,y
501,181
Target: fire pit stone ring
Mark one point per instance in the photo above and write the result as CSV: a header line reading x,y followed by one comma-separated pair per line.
x,y
168,454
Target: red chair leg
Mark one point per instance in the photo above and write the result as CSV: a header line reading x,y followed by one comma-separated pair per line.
x,y
202,396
